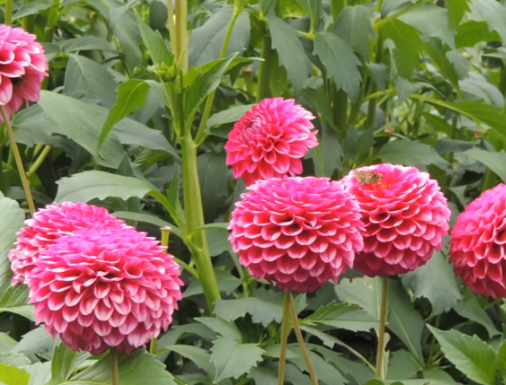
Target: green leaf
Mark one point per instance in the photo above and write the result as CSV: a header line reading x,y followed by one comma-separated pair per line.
x,y
473,32
156,46
147,218
219,326
198,356
444,65
206,41
126,30
10,375
231,115
12,220
233,359
313,9
7,343
31,8
363,292
342,316
325,371
472,356
407,45
409,153
212,170
131,95
491,11
138,368
64,362
480,89
261,311
339,61
471,309
431,21
456,11
89,185
86,43
436,282
495,161
82,123
354,26
290,51
501,360
87,79
14,300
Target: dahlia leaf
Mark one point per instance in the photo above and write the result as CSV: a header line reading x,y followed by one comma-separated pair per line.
x,y
354,26
363,292
495,161
340,62
213,179
456,11
290,51
261,311
198,356
342,316
472,356
138,368
10,375
12,220
147,218
410,153
64,362
206,41
325,371
471,308
156,46
219,326
14,299
436,282
408,45
233,359
231,115
131,95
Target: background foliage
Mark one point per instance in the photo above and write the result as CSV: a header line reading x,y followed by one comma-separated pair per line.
x,y
412,82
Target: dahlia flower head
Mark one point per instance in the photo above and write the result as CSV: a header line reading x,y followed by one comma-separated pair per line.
x,y
297,232
269,140
405,217
478,244
105,288
23,67
49,224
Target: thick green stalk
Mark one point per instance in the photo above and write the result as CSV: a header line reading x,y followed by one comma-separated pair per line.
x,y
38,162
182,34
302,344
210,99
284,337
114,367
8,12
382,327
18,160
264,75
195,220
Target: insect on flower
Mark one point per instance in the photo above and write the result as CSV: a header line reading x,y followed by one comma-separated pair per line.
x,y
367,177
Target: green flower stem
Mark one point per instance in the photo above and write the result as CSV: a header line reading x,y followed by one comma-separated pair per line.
x,y
182,34
18,160
200,137
114,367
195,220
302,344
381,332
263,90
38,162
284,336
8,12
172,27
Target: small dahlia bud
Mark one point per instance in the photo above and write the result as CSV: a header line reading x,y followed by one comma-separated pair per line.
x,y
297,232
23,67
47,225
478,244
405,216
105,288
270,140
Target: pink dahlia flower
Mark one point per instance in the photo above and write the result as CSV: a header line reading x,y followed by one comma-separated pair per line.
x,y
23,67
405,216
105,288
269,140
47,225
297,232
478,244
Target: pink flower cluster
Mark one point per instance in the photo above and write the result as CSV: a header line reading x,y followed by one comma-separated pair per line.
x,y
382,220
95,282
23,67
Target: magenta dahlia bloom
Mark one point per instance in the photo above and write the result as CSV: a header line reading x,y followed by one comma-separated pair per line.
x,y
405,216
23,67
269,140
478,244
297,232
49,224
105,288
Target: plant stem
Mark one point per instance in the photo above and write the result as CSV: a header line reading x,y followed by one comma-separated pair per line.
x,y
19,161
195,220
172,28
182,34
40,159
263,90
284,337
199,138
114,367
302,345
381,332
336,6
8,12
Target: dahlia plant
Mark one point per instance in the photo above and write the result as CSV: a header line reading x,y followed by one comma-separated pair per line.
x,y
328,166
